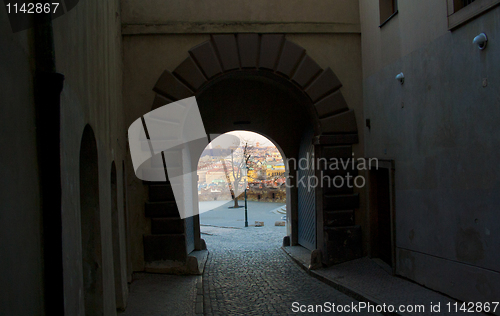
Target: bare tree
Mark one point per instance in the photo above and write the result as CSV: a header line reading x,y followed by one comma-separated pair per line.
x,y
239,169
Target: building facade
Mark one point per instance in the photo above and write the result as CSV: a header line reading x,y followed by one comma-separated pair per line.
x,y
438,128
76,222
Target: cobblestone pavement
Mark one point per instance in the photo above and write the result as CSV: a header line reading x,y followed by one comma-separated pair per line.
x,y
230,217
248,274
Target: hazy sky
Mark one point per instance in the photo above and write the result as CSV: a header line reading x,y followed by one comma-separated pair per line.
x,y
253,137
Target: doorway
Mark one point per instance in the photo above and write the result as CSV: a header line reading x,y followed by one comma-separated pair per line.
x,y
90,225
243,184
382,212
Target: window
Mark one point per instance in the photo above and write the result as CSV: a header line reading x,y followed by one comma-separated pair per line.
x,y
461,11
388,9
460,4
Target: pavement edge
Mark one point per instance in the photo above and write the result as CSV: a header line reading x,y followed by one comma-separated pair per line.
x,y
353,293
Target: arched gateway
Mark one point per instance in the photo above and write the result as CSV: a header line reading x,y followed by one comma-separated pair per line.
x,y
267,84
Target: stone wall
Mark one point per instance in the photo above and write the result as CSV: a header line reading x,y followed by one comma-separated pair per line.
x,y
265,195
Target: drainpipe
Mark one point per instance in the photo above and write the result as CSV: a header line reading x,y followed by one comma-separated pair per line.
x,y
47,90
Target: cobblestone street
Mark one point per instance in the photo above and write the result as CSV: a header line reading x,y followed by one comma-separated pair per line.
x,y
248,274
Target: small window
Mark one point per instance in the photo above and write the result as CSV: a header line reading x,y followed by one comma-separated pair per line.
x,y
460,4
461,11
387,8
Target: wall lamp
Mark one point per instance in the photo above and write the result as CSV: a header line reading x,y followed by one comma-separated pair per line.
x,y
481,40
401,78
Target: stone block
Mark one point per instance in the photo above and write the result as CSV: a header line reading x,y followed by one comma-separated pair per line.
x,y
341,139
270,47
248,45
160,101
342,244
338,218
204,55
307,71
170,87
228,51
165,247
340,202
331,105
291,55
162,209
161,193
190,73
167,226
337,151
342,123
327,82
286,241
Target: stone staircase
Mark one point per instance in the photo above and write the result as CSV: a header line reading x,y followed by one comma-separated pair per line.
x,y
166,248
342,237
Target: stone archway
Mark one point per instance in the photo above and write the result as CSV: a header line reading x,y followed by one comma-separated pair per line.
x,y
90,225
270,72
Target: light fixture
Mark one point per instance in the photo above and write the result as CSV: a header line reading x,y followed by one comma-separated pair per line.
x,y
481,40
401,78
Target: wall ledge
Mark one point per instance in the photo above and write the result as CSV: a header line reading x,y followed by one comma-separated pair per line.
x,y
240,27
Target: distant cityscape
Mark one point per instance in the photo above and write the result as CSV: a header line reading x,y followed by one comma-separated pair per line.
x,y
265,176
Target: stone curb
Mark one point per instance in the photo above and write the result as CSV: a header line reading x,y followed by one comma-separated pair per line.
x,y
353,293
200,294
221,226
199,308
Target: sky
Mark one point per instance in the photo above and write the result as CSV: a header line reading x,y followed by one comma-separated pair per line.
x,y
251,136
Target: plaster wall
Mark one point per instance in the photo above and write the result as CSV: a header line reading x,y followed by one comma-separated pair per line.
x,y
21,292
441,128
144,60
157,11
88,53
417,23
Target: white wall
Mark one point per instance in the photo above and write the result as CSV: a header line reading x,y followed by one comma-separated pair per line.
x,y
441,128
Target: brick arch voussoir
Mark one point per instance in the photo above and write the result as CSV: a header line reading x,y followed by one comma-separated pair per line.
x,y
271,52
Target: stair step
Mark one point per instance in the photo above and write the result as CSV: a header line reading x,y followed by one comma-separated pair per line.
x,y
165,247
342,228
344,122
161,193
167,226
155,182
338,139
332,170
332,184
153,174
339,218
340,202
332,190
162,209
337,152
342,244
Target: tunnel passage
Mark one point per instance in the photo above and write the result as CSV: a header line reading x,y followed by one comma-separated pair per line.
x,y
268,84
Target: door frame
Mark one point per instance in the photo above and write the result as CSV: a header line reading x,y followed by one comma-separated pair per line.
x,y
373,211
